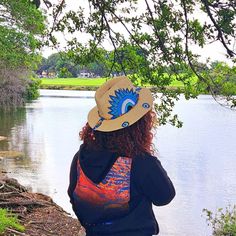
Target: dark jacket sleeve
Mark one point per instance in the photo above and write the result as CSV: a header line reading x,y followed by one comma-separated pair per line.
x,y
153,181
73,177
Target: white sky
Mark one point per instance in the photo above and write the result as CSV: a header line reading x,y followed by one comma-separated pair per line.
x,y
215,50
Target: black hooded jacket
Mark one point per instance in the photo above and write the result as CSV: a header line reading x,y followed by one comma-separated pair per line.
x,y
113,195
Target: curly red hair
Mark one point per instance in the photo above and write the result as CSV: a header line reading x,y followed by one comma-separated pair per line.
x,y
130,141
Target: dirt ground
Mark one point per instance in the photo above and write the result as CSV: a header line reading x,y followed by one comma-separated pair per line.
x,y
37,212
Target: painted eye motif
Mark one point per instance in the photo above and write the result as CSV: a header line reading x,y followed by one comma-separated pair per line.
x,y
125,124
145,105
122,102
127,105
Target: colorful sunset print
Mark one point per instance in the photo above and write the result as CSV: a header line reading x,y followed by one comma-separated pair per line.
x,y
112,192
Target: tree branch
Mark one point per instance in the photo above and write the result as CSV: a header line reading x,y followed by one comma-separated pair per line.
x,y
162,44
55,16
220,34
190,62
186,45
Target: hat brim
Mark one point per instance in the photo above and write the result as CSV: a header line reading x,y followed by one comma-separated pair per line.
x,y
143,105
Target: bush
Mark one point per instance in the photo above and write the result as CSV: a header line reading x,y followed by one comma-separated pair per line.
x,y
15,87
32,89
64,73
12,86
223,222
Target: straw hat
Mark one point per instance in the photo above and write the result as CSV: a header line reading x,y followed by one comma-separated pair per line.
x,y
119,105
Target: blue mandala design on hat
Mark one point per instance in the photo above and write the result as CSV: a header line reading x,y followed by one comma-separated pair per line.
x,y
122,102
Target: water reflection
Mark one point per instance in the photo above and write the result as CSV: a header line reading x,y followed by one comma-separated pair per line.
x,y
21,132
200,157
9,120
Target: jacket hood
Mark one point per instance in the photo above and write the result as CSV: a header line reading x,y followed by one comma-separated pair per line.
x,y
96,164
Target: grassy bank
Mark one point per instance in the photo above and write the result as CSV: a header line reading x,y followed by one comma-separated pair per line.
x,y
79,82
92,84
85,83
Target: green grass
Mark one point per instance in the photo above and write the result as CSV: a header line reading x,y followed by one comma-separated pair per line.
x,y
176,83
86,82
74,81
92,84
8,220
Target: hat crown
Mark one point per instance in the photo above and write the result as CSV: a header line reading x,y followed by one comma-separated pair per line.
x,y
116,97
119,105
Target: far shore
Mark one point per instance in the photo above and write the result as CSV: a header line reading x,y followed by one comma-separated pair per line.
x,y
93,88
91,84
69,87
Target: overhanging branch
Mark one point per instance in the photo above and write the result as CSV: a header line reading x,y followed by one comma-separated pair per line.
x,y
220,34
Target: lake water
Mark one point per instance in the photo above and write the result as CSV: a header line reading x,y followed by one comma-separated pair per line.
x,y
200,158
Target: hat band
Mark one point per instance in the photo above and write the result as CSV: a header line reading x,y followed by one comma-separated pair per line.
x,y
98,123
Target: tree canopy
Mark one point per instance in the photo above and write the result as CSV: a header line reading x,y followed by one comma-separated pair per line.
x,y
22,27
165,32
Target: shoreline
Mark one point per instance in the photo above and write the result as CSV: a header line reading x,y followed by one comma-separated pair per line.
x,y
36,212
94,88
69,87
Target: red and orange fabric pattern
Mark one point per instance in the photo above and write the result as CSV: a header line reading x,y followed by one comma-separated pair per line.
x,y
112,192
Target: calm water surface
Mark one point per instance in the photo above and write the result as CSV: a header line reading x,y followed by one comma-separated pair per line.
x,y
200,157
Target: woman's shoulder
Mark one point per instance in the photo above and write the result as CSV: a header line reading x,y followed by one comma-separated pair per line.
x,y
152,179
145,159
146,164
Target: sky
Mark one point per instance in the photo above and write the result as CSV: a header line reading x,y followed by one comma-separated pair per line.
x,y
215,50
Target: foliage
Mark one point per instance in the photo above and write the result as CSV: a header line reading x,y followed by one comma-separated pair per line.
x,y
48,64
222,80
8,220
22,27
148,38
65,65
225,77
64,73
32,89
223,222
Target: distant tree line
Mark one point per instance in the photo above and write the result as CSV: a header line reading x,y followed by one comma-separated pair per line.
x,y
63,66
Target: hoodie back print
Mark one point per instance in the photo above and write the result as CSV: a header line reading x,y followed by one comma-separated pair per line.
x,y
112,192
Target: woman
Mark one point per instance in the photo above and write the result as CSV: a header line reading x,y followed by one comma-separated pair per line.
x,y
115,177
